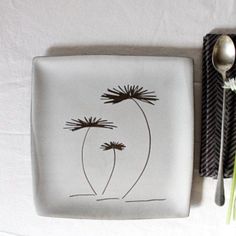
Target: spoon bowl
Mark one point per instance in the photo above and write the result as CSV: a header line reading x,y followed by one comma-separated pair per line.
x,y
223,54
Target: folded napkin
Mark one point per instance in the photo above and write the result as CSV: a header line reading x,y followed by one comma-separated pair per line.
x,y
212,97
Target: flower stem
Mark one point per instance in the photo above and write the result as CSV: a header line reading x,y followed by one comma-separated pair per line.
x,y
114,164
234,210
82,160
149,149
232,201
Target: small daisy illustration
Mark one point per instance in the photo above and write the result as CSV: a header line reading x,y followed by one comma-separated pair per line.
x,y
112,146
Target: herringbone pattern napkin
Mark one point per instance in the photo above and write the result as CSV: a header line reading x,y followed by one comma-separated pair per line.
x,y
212,95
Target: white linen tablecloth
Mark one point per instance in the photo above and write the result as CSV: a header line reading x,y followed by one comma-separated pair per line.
x,y
143,27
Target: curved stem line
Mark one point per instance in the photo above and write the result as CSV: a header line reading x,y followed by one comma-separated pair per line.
x,y
149,149
82,160
114,163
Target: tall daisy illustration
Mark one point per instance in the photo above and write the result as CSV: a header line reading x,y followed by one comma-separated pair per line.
x,y
112,146
136,94
88,123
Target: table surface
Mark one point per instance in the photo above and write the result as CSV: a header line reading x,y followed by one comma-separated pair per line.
x,y
32,28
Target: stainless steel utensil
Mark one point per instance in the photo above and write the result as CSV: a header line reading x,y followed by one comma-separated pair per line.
x,y
223,57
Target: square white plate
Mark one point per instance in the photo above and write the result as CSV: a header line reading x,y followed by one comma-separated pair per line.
x,y
140,109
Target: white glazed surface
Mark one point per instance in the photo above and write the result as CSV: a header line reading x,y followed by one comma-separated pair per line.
x,y
71,87
31,28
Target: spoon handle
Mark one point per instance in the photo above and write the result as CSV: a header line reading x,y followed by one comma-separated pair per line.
x,y
220,195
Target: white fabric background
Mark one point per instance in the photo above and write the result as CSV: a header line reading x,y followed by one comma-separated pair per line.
x,y
31,28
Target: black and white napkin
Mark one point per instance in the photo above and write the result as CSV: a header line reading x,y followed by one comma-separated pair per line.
x,y
212,96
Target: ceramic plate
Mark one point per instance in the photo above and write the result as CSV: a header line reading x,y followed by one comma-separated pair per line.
x,y
112,136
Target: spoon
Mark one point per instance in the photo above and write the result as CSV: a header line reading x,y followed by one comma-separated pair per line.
x,y
223,57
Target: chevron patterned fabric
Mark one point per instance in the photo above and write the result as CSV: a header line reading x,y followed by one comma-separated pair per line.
x,y
212,96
